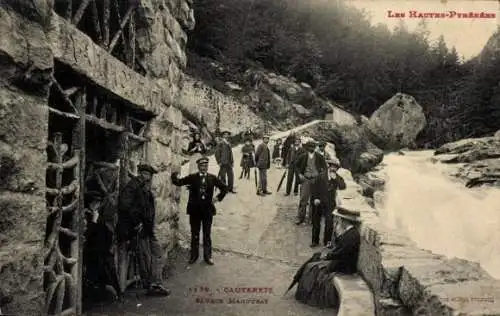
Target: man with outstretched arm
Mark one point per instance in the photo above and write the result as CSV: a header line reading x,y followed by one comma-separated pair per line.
x,y
200,207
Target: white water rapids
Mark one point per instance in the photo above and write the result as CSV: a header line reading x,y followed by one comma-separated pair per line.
x,y
440,214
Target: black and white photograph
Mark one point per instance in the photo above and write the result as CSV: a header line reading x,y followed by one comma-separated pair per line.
x,y
249,157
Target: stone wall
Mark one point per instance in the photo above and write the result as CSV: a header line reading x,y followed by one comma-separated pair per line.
x,y
31,38
407,280
26,60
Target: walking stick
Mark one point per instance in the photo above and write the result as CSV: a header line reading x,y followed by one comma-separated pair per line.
x,y
281,181
255,177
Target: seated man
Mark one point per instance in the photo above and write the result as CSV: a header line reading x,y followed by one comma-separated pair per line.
x,y
315,284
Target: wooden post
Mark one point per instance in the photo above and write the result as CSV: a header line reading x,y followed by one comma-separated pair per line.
x,y
105,22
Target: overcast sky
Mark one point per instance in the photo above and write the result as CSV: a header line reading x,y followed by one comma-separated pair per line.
x,y
467,35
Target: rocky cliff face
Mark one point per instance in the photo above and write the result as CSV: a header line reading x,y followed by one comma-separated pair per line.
x,y
33,39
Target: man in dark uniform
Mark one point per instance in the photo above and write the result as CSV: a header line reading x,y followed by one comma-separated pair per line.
x,y
310,166
289,141
323,197
200,207
263,163
293,153
224,158
136,217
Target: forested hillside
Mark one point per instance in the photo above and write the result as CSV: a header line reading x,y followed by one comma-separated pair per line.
x,y
335,49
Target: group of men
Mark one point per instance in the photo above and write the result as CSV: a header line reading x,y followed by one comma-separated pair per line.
x,y
308,165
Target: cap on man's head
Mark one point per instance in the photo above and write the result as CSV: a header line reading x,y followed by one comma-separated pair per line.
x,y
266,136
226,133
202,161
146,168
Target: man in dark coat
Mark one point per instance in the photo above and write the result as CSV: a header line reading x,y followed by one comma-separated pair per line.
x,y
289,141
136,223
98,255
315,284
224,158
263,163
200,207
310,166
293,153
323,197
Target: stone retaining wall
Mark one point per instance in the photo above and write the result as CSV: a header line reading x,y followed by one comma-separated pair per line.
x,y
32,36
407,280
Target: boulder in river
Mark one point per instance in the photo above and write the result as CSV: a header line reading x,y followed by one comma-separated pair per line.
x,y
479,158
396,123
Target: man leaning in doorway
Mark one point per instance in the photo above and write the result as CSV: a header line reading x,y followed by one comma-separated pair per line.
x,y
136,217
225,160
309,167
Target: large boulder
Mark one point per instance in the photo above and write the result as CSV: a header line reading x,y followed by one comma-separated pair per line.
x,y
352,146
396,123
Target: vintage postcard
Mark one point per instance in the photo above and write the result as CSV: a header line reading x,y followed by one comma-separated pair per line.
x,y
249,157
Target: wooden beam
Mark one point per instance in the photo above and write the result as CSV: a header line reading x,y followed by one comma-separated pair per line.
x,y
79,13
105,21
104,124
63,114
132,39
63,94
120,30
95,20
69,9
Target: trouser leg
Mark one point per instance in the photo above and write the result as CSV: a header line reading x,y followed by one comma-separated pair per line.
x,y
316,222
230,177
195,223
305,195
289,180
328,226
207,237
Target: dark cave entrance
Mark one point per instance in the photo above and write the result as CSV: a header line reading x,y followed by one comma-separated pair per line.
x,y
95,142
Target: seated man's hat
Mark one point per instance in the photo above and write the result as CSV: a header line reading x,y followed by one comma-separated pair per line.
x,y
353,216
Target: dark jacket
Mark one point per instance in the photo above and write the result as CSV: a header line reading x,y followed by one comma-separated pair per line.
x,y
136,206
197,205
344,257
263,157
289,141
293,155
192,145
276,151
247,157
224,154
326,190
319,161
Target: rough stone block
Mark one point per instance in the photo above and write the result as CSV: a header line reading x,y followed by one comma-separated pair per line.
x,y
23,120
417,279
23,218
159,155
21,272
22,170
26,56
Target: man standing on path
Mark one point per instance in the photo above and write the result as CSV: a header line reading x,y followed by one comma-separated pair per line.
x,y
309,166
224,158
200,207
323,196
289,141
294,152
263,163
136,216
